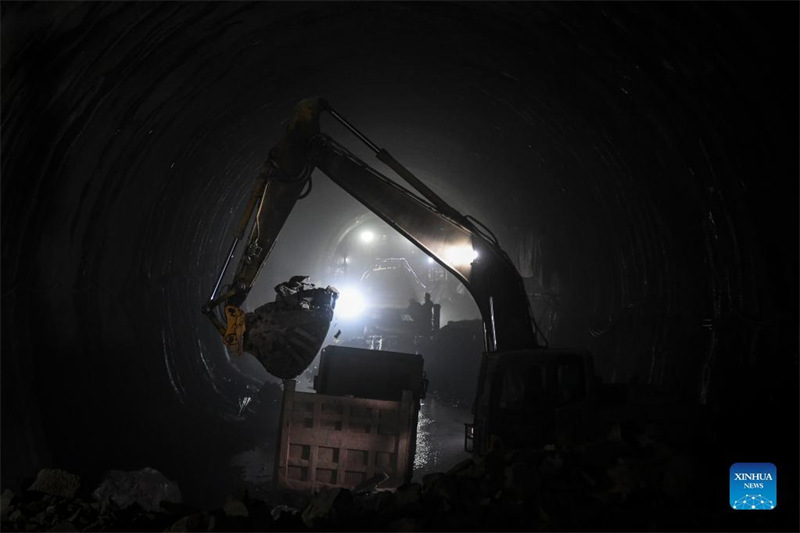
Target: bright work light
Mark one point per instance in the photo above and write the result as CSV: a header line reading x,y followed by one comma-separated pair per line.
x,y
367,236
350,304
460,255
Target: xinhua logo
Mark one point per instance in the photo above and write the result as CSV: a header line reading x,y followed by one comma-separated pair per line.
x,y
753,486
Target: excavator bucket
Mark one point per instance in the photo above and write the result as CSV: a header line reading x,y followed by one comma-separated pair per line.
x,y
285,335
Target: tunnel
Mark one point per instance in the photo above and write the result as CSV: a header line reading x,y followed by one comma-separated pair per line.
x,y
637,161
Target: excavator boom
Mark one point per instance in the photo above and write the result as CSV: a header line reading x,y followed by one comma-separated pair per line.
x,y
476,261
434,226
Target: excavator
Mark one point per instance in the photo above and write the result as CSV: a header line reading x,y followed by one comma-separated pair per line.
x,y
523,386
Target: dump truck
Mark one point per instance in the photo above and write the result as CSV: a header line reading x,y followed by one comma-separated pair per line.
x,y
359,427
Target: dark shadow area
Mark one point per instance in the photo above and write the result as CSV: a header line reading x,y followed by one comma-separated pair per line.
x,y
638,162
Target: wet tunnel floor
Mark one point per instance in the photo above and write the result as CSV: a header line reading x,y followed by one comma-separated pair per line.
x,y
440,437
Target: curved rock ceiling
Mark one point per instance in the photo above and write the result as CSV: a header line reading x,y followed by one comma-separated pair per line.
x,y
638,161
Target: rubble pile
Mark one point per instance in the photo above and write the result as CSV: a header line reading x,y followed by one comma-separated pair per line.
x,y
124,501
611,484
631,480
33,511
37,511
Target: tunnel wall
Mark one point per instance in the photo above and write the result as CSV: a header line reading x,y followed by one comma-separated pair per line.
x,y
639,162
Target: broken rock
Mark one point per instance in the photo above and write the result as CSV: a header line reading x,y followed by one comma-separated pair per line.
x,y
233,507
56,483
320,507
147,487
278,510
5,504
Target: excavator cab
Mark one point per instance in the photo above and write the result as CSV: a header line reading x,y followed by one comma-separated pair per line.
x,y
531,398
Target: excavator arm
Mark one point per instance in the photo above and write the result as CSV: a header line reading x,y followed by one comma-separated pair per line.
x,y
455,241
450,239
278,187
